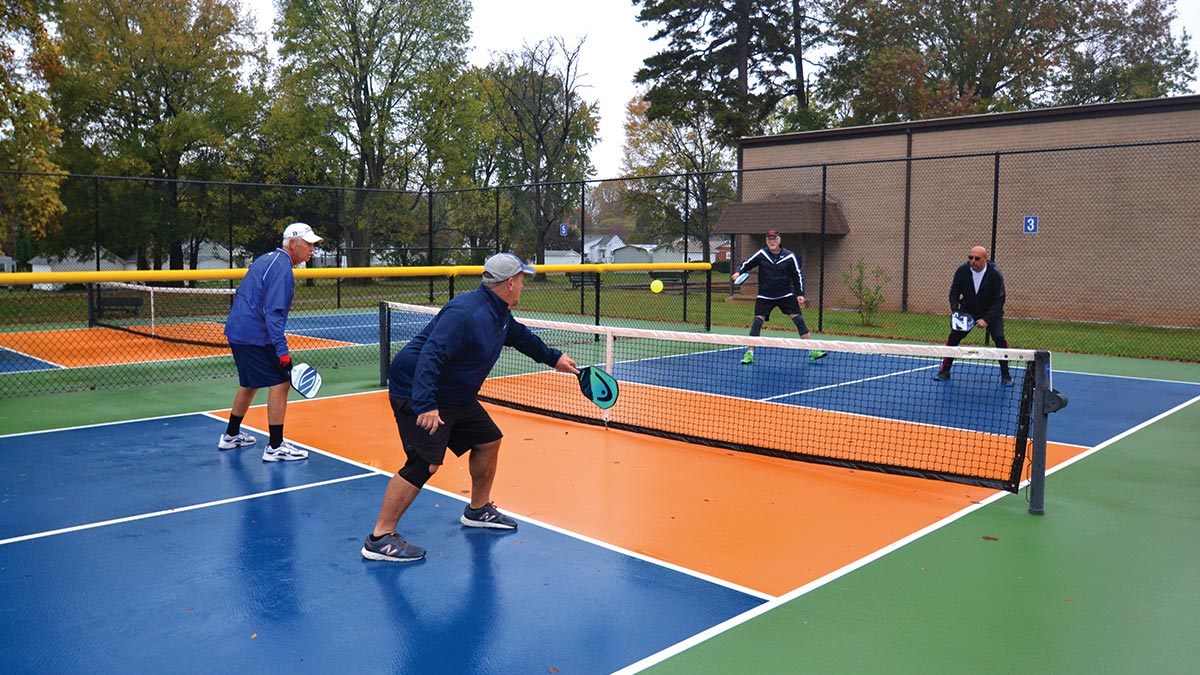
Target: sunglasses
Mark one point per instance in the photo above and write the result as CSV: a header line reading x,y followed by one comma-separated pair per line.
x,y
974,257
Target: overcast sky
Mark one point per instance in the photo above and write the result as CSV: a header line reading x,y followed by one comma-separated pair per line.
x,y
614,47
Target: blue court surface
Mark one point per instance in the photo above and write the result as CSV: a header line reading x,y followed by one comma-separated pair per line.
x,y
12,361
139,548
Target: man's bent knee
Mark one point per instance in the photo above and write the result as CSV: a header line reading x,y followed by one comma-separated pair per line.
x,y
417,471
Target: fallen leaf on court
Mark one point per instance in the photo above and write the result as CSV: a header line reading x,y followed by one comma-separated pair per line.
x,y
988,537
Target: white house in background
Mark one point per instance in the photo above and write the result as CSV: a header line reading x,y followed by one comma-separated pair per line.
x,y
7,264
72,262
600,249
213,256
554,257
633,253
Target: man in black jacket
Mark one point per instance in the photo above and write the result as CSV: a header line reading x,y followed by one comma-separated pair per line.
x,y
778,276
978,290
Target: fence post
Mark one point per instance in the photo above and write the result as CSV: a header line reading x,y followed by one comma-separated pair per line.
x,y
687,216
995,206
907,220
96,217
821,282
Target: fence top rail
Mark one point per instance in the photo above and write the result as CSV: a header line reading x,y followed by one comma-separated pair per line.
x,y
88,277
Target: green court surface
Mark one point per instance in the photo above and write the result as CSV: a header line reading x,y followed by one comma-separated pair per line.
x,y
1105,582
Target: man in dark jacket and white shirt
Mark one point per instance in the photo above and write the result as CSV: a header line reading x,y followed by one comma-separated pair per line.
x,y
978,289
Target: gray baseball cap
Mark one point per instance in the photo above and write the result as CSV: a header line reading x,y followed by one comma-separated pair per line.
x,y
504,266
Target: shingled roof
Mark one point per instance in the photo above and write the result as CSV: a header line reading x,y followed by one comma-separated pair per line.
x,y
787,212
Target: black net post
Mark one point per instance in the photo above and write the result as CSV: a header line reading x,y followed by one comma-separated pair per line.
x,y
385,343
1045,401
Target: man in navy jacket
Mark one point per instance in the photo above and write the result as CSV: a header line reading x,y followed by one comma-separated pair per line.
x,y
255,330
432,387
978,289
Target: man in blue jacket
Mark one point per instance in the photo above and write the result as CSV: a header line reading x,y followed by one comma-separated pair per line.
x,y
255,330
780,284
432,387
978,289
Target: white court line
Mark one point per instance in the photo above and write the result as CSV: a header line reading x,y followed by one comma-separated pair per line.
x,y
835,385
733,622
30,357
181,509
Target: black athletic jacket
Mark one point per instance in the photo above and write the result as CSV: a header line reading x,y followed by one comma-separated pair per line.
x,y
777,274
989,303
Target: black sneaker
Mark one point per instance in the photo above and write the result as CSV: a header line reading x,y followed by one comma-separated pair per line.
x,y
487,516
391,548
943,375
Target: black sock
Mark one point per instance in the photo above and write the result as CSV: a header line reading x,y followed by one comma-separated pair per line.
x,y
276,434
235,425
374,538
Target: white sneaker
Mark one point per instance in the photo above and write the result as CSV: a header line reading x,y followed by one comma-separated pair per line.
x,y
286,452
228,442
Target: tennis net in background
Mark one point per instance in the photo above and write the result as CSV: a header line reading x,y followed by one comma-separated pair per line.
x,y
186,316
864,406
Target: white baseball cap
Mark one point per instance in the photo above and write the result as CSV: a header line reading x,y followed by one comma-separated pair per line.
x,y
302,231
504,266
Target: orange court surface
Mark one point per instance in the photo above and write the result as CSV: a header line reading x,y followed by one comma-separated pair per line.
x,y
768,525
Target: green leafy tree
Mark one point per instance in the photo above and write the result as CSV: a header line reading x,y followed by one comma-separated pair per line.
x,y
547,129
1141,58
30,207
154,88
374,69
730,60
910,59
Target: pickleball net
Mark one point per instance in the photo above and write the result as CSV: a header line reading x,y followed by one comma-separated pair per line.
x,y
867,406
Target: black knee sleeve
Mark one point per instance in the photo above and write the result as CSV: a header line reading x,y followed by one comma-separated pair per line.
x,y
800,325
756,326
415,471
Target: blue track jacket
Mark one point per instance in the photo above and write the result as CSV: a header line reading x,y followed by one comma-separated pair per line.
x,y
260,307
445,365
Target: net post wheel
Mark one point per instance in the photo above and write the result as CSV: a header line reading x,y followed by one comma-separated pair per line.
x,y
656,286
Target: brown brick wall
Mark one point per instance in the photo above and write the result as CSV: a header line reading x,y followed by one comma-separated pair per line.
x,y
1118,237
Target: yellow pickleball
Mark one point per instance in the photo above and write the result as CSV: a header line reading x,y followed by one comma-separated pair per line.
x,y
656,285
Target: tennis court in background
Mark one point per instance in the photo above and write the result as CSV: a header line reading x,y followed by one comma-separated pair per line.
x,y
145,343
137,546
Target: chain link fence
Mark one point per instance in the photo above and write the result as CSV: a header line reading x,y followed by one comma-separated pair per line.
x,y
1095,243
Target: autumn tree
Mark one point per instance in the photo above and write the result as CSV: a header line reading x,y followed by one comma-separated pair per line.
x,y
687,174
911,59
30,207
547,128
375,67
153,88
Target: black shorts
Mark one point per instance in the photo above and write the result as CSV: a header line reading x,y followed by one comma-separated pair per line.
x,y
464,428
788,305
